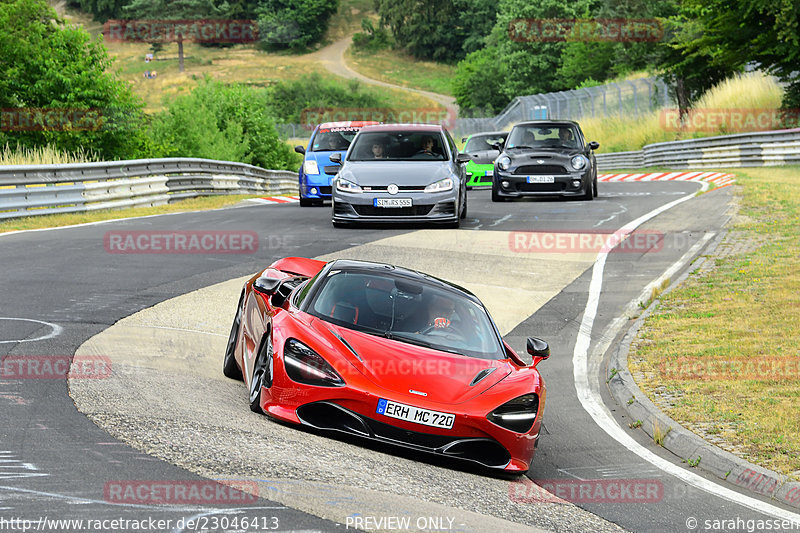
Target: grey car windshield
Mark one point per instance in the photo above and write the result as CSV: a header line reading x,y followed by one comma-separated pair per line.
x,y
563,136
407,310
399,146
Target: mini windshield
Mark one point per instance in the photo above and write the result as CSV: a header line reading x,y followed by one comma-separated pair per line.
x,y
479,143
330,139
399,146
543,136
406,310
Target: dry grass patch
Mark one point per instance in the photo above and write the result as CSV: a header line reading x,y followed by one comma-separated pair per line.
x,y
725,345
400,69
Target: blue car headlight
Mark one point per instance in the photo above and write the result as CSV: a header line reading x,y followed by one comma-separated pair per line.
x,y
347,186
306,366
440,186
310,167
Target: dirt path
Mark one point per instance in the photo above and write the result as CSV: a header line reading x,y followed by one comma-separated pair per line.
x,y
332,58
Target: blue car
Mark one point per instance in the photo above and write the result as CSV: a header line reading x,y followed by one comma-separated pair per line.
x,y
317,171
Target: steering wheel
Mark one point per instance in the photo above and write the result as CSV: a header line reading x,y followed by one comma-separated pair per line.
x,y
450,330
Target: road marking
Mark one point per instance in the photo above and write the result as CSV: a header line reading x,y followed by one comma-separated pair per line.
x,y
592,402
55,330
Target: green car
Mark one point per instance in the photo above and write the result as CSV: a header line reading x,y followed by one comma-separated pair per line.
x,y
482,148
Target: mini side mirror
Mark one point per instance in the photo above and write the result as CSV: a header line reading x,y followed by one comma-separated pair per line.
x,y
463,158
300,150
594,145
336,158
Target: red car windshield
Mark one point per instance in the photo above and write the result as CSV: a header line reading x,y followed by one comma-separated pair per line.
x,y
407,310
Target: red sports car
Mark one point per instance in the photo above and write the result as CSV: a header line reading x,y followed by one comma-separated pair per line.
x,y
388,354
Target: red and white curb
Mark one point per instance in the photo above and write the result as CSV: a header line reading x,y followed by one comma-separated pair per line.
x,y
276,200
719,179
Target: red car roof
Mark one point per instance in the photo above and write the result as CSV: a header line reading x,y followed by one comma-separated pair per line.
x,y
348,124
405,127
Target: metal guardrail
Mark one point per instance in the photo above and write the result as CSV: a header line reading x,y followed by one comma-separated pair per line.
x,y
764,148
48,189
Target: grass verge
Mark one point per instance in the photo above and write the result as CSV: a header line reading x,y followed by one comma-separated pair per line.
x,y
721,353
749,95
400,69
69,219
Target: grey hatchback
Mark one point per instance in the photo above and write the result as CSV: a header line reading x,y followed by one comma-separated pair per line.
x,y
401,173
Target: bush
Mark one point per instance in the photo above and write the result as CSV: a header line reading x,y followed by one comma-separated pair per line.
x,y
372,39
288,99
225,122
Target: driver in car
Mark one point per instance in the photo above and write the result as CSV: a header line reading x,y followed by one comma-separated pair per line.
x,y
440,312
566,137
427,145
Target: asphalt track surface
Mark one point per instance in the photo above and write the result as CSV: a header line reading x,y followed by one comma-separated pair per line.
x,y
56,463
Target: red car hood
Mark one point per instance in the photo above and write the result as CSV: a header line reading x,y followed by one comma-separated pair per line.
x,y
400,367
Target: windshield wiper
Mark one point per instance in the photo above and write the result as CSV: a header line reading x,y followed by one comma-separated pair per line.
x,y
413,340
391,335
520,146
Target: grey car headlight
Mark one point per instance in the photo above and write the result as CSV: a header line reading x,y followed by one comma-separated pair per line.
x,y
440,186
347,186
578,162
310,167
503,162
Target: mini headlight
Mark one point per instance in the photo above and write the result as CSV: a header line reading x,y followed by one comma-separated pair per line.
x,y
347,186
578,162
517,415
503,162
440,186
310,167
304,365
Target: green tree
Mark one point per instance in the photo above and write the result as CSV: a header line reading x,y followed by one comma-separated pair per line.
x,y
294,23
175,10
101,10
477,84
47,64
735,33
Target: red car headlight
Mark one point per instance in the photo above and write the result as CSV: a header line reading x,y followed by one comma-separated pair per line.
x,y
516,415
306,366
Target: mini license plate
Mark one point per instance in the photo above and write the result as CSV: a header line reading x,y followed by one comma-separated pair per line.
x,y
409,413
541,179
392,202
489,173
